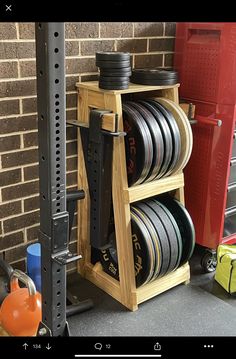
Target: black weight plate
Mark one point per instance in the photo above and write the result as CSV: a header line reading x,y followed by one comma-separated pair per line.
x,y
114,83
157,140
143,253
160,74
175,134
155,240
105,86
113,79
166,134
113,64
112,56
126,71
185,224
138,145
177,232
170,232
161,232
156,82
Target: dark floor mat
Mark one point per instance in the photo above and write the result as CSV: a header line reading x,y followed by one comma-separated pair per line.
x,y
181,311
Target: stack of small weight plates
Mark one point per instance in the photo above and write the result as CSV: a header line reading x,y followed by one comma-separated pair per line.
x,y
115,70
155,77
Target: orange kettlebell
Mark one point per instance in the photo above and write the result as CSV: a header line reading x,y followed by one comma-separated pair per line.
x,y
21,310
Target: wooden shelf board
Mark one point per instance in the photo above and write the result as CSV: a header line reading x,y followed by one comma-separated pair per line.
x,y
146,190
104,281
160,285
93,86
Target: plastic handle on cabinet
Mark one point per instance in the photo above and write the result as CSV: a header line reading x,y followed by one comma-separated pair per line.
x,y
208,121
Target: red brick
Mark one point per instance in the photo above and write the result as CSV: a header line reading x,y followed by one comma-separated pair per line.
x,y
169,59
71,133
29,105
161,44
15,254
132,45
148,61
71,178
70,82
20,190
7,31
170,29
71,163
75,66
91,47
32,233
31,172
11,240
30,139
9,107
17,88
27,68
9,143
17,50
10,177
89,77
26,30
8,70
148,29
71,100
116,29
71,148
30,204
19,158
15,124
18,222
74,30
10,209
72,48
71,114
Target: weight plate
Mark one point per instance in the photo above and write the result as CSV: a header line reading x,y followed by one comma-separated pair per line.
x,y
153,82
160,74
161,232
126,71
105,86
112,79
185,224
155,240
144,252
178,237
114,83
166,134
113,64
184,129
144,255
175,134
170,233
138,145
112,56
157,140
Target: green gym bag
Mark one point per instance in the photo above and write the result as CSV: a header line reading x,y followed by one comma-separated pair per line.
x,y
226,267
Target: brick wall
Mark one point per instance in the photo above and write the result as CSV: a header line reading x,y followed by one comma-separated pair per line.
x,y
151,45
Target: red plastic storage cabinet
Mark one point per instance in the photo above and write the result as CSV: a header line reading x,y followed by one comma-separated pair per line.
x,y
205,57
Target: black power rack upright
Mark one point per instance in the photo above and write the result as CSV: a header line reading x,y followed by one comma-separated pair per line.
x,y
55,221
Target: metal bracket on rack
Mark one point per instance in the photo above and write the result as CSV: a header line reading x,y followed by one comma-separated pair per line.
x,y
98,152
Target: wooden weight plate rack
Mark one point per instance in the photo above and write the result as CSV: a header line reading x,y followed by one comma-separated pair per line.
x,y
125,291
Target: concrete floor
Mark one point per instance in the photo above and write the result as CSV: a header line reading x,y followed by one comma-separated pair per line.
x,y
201,308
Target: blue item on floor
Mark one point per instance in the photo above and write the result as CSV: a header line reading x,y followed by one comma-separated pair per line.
x,y
34,264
